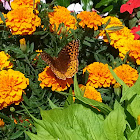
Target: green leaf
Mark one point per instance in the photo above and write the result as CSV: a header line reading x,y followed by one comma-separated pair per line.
x,y
134,107
69,99
138,32
108,9
87,5
64,3
103,3
131,91
75,122
16,134
138,14
135,134
115,124
2,17
132,22
115,28
77,90
52,104
107,35
79,95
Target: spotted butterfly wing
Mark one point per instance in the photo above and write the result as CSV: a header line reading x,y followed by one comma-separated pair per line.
x,y
66,64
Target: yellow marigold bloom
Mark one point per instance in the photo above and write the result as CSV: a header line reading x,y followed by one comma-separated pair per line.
x,y
48,79
99,75
119,38
12,84
1,122
128,74
1,21
22,21
135,50
59,16
92,93
89,19
4,63
16,4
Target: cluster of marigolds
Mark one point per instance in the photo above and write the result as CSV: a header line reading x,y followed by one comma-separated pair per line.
x,y
21,20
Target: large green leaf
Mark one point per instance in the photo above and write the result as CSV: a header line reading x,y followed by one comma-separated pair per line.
x,y
79,95
134,107
115,124
135,134
75,122
130,92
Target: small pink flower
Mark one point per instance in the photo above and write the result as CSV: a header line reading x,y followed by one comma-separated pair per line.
x,y
6,4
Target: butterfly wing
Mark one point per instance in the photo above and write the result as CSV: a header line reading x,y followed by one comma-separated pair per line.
x,y
68,59
66,64
51,62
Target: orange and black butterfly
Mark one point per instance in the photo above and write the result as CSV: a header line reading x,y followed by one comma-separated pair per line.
x,y
66,64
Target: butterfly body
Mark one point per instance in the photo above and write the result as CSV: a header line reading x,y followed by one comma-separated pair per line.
x,y
66,64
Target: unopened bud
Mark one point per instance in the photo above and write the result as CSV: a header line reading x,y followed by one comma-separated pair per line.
x,y
23,44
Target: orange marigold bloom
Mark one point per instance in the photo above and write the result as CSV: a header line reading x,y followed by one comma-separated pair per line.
x,y
12,84
16,4
48,79
135,50
99,75
89,19
4,63
92,93
22,21
1,122
59,16
128,74
119,38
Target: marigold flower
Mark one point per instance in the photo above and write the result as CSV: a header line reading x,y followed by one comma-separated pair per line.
x,y
89,19
48,79
16,4
128,74
22,21
134,53
1,21
92,93
119,38
59,16
99,75
4,63
12,84
1,122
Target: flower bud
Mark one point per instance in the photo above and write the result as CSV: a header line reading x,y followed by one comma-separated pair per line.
x,y
12,109
23,46
117,89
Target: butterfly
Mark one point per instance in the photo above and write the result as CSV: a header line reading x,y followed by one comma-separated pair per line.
x,y
66,64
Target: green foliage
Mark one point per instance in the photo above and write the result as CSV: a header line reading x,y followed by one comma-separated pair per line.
x,y
62,117
87,5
